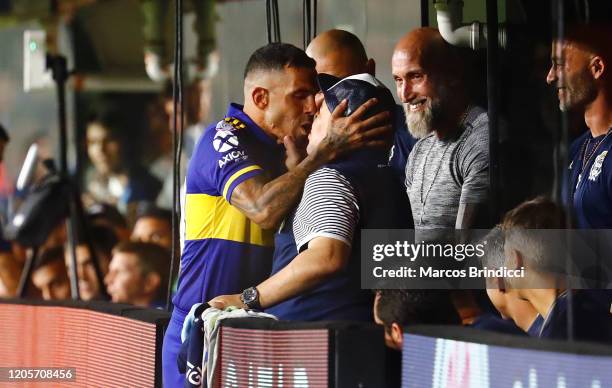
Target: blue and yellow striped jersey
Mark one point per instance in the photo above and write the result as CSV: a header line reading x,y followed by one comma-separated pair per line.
x,y
225,252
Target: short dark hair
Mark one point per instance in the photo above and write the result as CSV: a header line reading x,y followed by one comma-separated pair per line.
x,y
4,134
409,307
148,209
114,120
49,256
103,239
588,24
106,212
152,258
277,56
585,13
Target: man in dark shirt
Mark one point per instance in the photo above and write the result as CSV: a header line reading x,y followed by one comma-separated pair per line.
x,y
582,75
544,283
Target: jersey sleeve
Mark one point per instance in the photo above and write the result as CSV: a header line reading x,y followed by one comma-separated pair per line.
x,y
328,208
227,160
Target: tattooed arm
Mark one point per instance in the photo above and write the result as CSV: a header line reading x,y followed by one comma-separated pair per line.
x,y
267,203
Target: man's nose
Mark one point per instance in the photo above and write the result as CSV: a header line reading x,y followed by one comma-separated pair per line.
x,y
405,92
311,106
95,148
108,278
551,77
80,271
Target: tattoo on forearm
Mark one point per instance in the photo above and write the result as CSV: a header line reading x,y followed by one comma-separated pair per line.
x,y
267,203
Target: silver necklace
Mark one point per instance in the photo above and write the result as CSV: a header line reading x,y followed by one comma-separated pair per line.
x,y
424,200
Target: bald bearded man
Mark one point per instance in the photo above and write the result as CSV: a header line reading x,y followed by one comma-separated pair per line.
x,y
447,172
341,54
238,189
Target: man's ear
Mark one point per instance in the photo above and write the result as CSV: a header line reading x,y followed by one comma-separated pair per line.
x,y
261,97
501,285
371,67
397,335
152,282
516,259
597,66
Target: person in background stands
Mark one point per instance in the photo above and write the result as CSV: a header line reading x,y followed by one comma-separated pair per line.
x,y
103,240
49,275
115,178
153,225
137,274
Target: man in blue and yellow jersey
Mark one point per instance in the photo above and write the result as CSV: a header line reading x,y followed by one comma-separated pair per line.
x,y
246,173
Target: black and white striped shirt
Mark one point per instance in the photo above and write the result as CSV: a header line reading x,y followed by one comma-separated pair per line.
x,y
328,208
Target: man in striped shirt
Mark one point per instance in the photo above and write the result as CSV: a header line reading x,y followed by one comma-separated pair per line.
x,y
316,271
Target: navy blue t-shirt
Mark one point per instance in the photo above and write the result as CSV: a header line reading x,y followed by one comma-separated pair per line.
x,y
592,318
491,322
591,182
574,149
536,327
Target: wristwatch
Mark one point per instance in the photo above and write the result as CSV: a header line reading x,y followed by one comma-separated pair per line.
x,y
250,297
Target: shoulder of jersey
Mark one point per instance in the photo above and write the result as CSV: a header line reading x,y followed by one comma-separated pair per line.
x,y
226,134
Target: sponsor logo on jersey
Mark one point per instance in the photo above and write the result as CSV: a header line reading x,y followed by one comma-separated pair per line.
x,y
233,156
225,140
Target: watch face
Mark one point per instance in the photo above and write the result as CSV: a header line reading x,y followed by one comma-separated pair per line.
x,y
249,295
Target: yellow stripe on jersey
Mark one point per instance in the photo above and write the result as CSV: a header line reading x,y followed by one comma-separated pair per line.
x,y
209,216
235,176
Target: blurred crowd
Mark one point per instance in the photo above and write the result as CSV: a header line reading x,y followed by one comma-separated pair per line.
x,y
126,196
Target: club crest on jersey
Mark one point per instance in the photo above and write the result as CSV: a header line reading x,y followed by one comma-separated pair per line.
x,y
596,169
230,124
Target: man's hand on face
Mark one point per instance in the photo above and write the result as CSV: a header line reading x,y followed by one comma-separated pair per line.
x,y
224,301
347,133
294,152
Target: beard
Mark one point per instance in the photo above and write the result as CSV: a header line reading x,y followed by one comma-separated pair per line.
x,y
579,91
422,122
419,122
